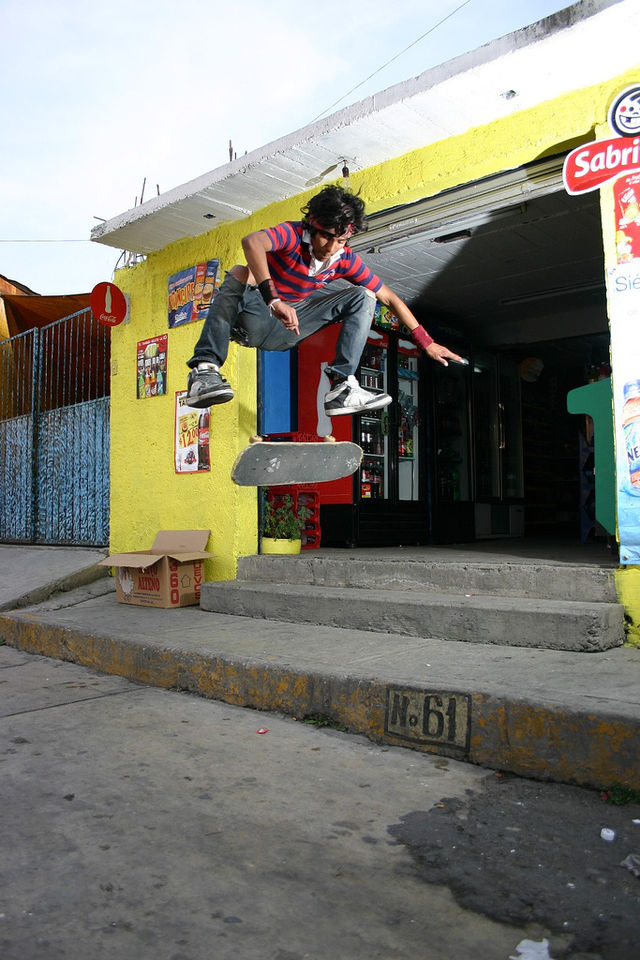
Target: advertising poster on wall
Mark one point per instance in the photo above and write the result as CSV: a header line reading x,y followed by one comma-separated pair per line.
x,y
191,292
623,292
615,164
623,282
626,199
191,443
151,370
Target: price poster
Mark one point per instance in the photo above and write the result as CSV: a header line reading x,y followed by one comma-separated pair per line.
x,y
192,291
152,367
191,441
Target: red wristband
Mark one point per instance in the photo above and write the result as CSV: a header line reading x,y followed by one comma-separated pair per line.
x,y
420,337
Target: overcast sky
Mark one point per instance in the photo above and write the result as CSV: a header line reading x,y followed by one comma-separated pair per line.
x,y
99,96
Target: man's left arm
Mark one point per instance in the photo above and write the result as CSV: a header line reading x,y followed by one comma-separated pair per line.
x,y
417,332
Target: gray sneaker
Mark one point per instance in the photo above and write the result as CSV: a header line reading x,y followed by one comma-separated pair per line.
x,y
348,397
206,386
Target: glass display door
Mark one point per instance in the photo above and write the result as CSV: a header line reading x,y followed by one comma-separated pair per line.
x,y
451,429
408,437
374,426
451,469
390,438
498,447
391,485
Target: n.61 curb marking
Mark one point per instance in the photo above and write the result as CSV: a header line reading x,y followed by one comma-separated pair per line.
x,y
438,717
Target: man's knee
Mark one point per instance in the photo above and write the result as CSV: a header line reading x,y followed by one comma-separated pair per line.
x,y
364,299
240,272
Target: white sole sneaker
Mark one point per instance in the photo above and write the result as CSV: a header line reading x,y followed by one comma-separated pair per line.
x,y
348,398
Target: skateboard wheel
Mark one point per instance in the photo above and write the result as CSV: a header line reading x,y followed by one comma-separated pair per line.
x,y
329,439
255,439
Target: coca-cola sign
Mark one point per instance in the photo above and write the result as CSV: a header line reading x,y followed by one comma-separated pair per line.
x,y
108,304
588,167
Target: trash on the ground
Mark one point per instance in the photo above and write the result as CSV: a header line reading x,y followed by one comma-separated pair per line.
x,y
637,822
263,730
632,862
608,834
532,950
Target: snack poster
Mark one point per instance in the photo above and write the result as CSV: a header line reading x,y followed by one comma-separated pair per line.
x,y
191,442
191,292
613,166
151,369
623,292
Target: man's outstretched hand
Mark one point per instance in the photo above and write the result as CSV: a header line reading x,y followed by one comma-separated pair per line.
x,y
442,354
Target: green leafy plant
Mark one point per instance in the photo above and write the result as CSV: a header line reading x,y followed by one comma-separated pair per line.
x,y
619,795
282,521
321,720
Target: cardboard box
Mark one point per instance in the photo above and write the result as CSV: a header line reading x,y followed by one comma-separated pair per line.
x,y
168,575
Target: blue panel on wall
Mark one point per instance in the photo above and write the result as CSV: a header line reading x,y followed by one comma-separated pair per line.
x,y
16,477
73,474
276,391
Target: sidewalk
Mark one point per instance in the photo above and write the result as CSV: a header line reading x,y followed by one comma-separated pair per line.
x,y
547,714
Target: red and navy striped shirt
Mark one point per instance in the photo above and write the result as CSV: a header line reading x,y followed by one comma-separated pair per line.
x,y
289,260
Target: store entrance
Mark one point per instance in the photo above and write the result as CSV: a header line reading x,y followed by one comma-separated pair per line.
x,y
507,458
558,452
510,272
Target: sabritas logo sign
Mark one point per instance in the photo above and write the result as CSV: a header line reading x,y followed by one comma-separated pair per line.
x,y
590,166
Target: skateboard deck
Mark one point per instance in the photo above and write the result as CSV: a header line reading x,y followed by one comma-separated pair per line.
x,y
270,464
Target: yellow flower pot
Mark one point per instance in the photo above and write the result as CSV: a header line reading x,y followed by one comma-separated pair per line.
x,y
272,545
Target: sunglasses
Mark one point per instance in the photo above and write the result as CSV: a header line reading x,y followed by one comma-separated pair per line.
x,y
326,235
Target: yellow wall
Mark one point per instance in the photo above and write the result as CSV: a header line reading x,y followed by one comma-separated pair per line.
x,y
146,494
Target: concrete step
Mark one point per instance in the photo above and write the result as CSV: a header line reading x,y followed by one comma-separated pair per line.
x,y
572,625
533,578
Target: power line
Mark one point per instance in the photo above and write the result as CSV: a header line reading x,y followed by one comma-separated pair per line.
x,y
362,82
27,240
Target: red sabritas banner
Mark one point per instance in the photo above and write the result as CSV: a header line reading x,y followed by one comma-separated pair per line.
x,y
588,167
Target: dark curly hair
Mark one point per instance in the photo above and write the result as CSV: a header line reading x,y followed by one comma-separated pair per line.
x,y
337,208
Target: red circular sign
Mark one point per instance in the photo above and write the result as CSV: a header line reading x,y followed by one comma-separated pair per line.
x,y
108,304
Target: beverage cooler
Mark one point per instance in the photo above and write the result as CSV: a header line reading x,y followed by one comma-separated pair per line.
x,y
388,502
390,437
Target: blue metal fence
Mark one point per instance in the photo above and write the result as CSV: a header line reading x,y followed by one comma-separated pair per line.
x,y
54,434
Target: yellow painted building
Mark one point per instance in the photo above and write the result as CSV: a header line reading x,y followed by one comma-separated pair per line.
x,y
519,132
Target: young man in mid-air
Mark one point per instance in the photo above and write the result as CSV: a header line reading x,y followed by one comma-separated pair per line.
x,y
282,296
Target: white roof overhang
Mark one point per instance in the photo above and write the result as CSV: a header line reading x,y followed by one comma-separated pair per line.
x,y
574,48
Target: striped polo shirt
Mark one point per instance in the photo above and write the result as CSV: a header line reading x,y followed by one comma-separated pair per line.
x,y
290,261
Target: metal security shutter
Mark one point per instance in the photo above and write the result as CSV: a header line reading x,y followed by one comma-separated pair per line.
x,y
461,207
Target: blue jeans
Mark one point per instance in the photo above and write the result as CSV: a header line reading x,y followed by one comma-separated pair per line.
x,y
238,312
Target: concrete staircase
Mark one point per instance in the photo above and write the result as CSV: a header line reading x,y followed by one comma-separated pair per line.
x,y
547,605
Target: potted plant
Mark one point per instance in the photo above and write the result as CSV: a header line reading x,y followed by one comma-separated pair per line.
x,y
282,525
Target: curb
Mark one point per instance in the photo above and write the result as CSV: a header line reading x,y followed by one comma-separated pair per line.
x,y
499,732
79,578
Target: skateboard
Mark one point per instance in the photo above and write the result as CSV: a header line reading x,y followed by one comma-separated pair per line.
x,y
267,463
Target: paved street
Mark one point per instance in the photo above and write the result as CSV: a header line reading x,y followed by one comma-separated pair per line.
x,y
141,823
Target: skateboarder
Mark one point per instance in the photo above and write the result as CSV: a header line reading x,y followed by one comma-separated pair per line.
x,y
281,297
